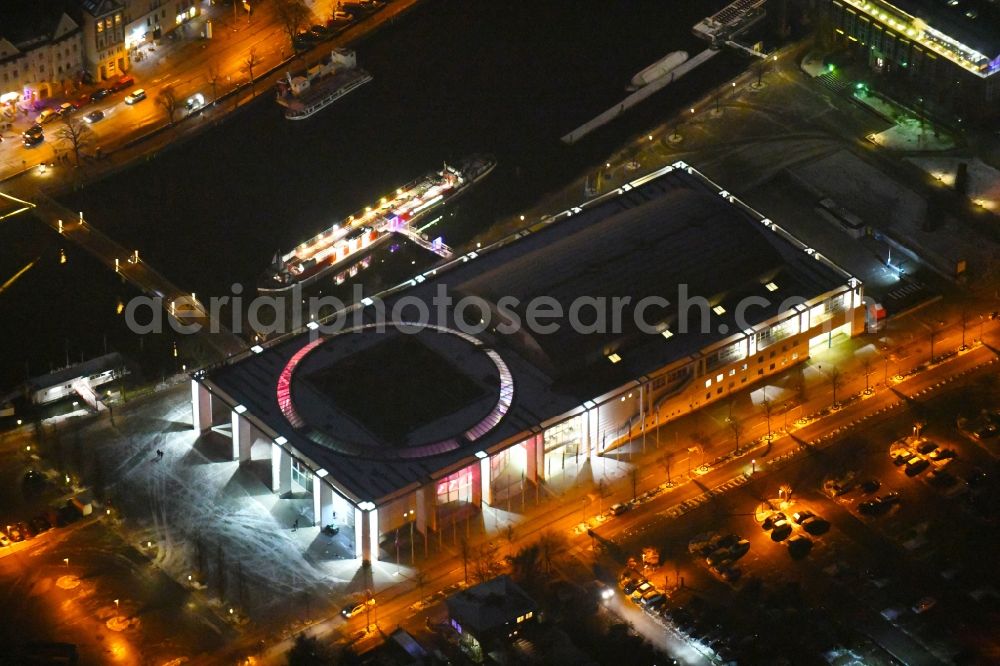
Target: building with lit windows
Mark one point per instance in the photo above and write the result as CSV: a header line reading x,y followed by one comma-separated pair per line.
x,y
148,20
946,48
385,427
41,53
490,613
103,24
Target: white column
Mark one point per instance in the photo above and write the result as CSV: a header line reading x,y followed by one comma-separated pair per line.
x,y
373,529
487,486
201,407
317,489
281,470
243,437
366,534
326,505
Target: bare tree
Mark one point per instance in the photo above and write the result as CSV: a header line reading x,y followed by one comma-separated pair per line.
x,y
526,564
465,551
549,545
167,100
666,459
737,427
867,366
768,408
251,61
759,67
213,75
292,15
634,477
487,564
835,384
76,135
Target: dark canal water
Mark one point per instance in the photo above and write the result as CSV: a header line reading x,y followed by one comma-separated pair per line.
x,y
453,77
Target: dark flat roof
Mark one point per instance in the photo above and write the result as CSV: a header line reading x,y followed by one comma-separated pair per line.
x,y
674,229
490,605
981,33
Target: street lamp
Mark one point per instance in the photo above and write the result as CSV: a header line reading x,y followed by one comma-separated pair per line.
x,y
66,561
753,466
412,518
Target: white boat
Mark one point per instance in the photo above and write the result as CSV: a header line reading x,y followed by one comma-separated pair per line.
x,y
658,69
321,85
343,249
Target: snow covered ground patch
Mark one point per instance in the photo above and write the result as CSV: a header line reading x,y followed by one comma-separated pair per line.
x,y
984,180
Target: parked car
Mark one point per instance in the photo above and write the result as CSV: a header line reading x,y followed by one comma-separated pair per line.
x,y
901,459
739,549
65,109
815,525
631,584
322,32
33,140
728,541
924,605
800,516
14,533
100,94
781,530
655,603
641,591
27,530
718,557
926,447
355,608
81,101
870,486
772,519
942,454
301,44
94,116
195,101
307,37
619,509
46,116
4,540
135,96
917,466
122,83
340,16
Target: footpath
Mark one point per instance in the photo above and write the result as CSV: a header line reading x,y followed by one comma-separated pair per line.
x,y
234,87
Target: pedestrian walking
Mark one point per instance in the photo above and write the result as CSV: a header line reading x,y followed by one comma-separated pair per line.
x,y
295,525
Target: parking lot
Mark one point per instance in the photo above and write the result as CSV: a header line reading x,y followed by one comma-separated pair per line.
x,y
898,557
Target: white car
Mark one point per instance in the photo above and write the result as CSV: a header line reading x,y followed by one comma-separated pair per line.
x,y
135,96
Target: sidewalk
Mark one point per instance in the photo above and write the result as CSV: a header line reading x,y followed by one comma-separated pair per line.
x,y
184,63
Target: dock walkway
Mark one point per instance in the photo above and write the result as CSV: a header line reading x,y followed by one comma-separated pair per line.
x,y
636,97
180,305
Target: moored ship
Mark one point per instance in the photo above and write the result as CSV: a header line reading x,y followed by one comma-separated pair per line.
x,y
342,248
321,85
